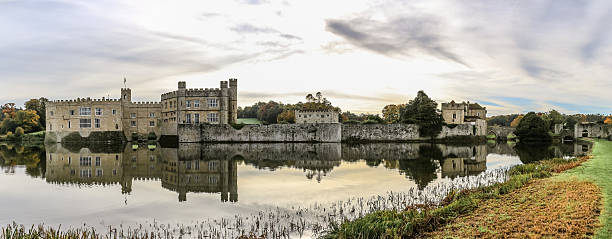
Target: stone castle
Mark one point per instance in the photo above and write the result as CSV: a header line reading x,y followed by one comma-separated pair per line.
x,y
112,118
459,113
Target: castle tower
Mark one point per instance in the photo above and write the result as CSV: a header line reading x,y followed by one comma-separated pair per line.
x,y
126,95
233,101
224,104
180,101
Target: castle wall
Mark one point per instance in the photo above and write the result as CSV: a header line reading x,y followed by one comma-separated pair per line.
x,y
320,132
459,113
406,132
64,117
260,133
141,118
313,117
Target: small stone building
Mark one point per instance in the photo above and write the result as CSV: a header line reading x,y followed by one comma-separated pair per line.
x,y
315,117
458,113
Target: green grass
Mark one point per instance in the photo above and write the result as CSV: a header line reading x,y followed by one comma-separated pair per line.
x,y
599,171
248,121
38,133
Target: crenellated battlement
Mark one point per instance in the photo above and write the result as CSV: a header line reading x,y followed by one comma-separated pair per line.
x,y
147,103
82,100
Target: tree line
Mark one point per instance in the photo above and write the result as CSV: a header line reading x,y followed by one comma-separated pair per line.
x,y
18,121
421,110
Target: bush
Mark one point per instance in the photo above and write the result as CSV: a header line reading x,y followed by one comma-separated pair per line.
x,y
370,122
238,126
19,132
152,136
135,137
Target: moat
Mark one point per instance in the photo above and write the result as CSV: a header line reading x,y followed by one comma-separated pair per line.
x,y
138,184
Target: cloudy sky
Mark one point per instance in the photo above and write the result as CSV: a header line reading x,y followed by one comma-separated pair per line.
x,y
511,56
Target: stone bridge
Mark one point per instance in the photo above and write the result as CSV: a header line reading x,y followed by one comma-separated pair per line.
x,y
500,132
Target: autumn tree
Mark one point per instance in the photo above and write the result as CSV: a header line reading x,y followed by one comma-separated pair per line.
x,y
516,121
38,105
28,120
287,116
608,120
391,113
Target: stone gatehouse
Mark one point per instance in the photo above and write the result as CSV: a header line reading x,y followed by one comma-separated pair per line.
x,y
85,116
458,113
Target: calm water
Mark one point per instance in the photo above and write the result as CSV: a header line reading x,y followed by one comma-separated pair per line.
x,y
112,185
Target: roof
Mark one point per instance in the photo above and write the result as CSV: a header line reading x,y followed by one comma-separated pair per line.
x,y
475,106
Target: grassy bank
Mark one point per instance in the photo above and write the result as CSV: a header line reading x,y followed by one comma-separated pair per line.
x,y
568,205
418,221
599,171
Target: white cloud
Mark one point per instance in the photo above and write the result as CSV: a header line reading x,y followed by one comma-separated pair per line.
x,y
547,53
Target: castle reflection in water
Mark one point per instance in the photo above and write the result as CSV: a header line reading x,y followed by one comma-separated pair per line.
x,y
213,168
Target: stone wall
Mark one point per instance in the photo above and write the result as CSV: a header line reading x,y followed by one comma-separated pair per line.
x,y
260,133
321,132
406,132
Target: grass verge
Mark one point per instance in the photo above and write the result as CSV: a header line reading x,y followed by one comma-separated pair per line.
x,y
599,171
417,221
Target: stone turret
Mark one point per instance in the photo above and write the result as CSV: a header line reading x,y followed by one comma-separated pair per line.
x,y
126,95
233,101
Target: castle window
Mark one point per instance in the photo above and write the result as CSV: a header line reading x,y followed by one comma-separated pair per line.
x,y
196,118
114,171
50,127
98,162
69,124
213,103
83,123
71,112
170,104
188,118
116,126
196,104
454,116
152,114
85,111
152,123
99,172
213,117
85,161
133,123
132,115
478,114
188,103
51,113
85,173
97,123
98,111
114,111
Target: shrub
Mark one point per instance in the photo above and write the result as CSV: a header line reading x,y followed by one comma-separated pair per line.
x,y
238,126
532,128
152,136
370,122
19,132
134,136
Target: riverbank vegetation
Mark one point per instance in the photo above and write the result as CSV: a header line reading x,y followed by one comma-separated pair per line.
x,y
419,220
16,122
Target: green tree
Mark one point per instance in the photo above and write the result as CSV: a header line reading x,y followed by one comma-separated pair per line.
x,y
532,128
423,111
552,118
